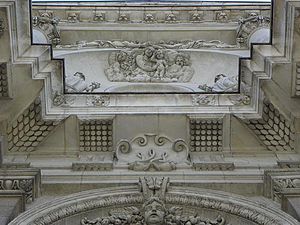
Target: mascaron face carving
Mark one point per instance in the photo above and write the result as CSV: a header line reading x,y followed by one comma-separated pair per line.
x,y
153,211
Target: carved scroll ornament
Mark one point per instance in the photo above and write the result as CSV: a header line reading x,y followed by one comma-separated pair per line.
x,y
152,152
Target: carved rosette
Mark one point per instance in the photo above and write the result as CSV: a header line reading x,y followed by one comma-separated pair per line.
x,y
151,152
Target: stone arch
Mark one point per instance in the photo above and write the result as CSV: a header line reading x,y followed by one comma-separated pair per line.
x,y
192,205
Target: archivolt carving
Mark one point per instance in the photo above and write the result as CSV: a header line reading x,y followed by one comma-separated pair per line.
x,y
152,152
156,203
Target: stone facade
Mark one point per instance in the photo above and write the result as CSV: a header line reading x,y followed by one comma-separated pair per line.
x,y
149,113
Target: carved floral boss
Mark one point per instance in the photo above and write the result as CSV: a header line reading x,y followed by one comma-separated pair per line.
x,y
151,152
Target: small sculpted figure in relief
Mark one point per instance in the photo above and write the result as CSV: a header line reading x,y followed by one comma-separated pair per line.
x,y
77,83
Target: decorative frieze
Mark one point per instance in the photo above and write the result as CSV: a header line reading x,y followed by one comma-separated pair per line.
x,y
3,80
29,129
213,166
131,13
27,180
96,135
274,130
206,135
135,45
92,166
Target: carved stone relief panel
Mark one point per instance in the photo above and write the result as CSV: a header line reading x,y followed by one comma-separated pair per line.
x,y
149,67
152,152
3,80
29,129
274,130
206,135
96,135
